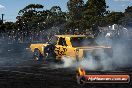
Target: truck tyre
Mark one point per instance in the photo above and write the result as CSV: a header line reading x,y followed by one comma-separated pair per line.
x,y
81,80
37,55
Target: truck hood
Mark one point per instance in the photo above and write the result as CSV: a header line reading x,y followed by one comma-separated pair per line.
x,y
93,47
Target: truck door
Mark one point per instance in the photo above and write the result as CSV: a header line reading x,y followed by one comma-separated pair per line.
x,y
71,51
61,47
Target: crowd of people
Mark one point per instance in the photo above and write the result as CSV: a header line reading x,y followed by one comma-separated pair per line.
x,y
14,36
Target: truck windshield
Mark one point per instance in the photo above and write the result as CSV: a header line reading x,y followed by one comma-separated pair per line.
x,y
53,40
82,41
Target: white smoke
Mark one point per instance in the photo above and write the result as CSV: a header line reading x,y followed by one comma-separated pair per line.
x,y
121,54
88,64
102,63
66,62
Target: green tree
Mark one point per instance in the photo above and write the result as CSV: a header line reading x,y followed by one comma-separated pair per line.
x,y
29,16
128,9
95,11
127,19
75,8
75,16
57,16
114,17
30,7
97,7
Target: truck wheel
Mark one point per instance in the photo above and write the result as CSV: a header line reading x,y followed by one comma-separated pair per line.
x,y
81,80
37,55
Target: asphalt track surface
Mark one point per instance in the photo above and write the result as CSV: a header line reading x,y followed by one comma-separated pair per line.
x,y
18,70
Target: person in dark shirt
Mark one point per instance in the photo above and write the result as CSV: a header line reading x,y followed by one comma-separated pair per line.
x,y
49,51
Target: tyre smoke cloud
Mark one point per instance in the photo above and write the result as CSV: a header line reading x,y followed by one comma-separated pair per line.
x,y
13,55
121,59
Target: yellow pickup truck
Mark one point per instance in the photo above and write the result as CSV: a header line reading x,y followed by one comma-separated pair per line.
x,y
75,47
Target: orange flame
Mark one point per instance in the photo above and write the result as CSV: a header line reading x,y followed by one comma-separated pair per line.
x,y
81,71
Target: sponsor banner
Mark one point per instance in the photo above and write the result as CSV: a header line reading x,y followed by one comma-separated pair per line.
x,y
107,78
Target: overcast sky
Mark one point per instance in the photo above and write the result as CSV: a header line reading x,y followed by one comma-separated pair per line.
x,y
11,7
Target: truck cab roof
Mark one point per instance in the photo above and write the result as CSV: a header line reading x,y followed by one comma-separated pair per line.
x,y
72,36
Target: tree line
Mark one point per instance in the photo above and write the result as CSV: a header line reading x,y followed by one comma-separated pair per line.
x,y
33,21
